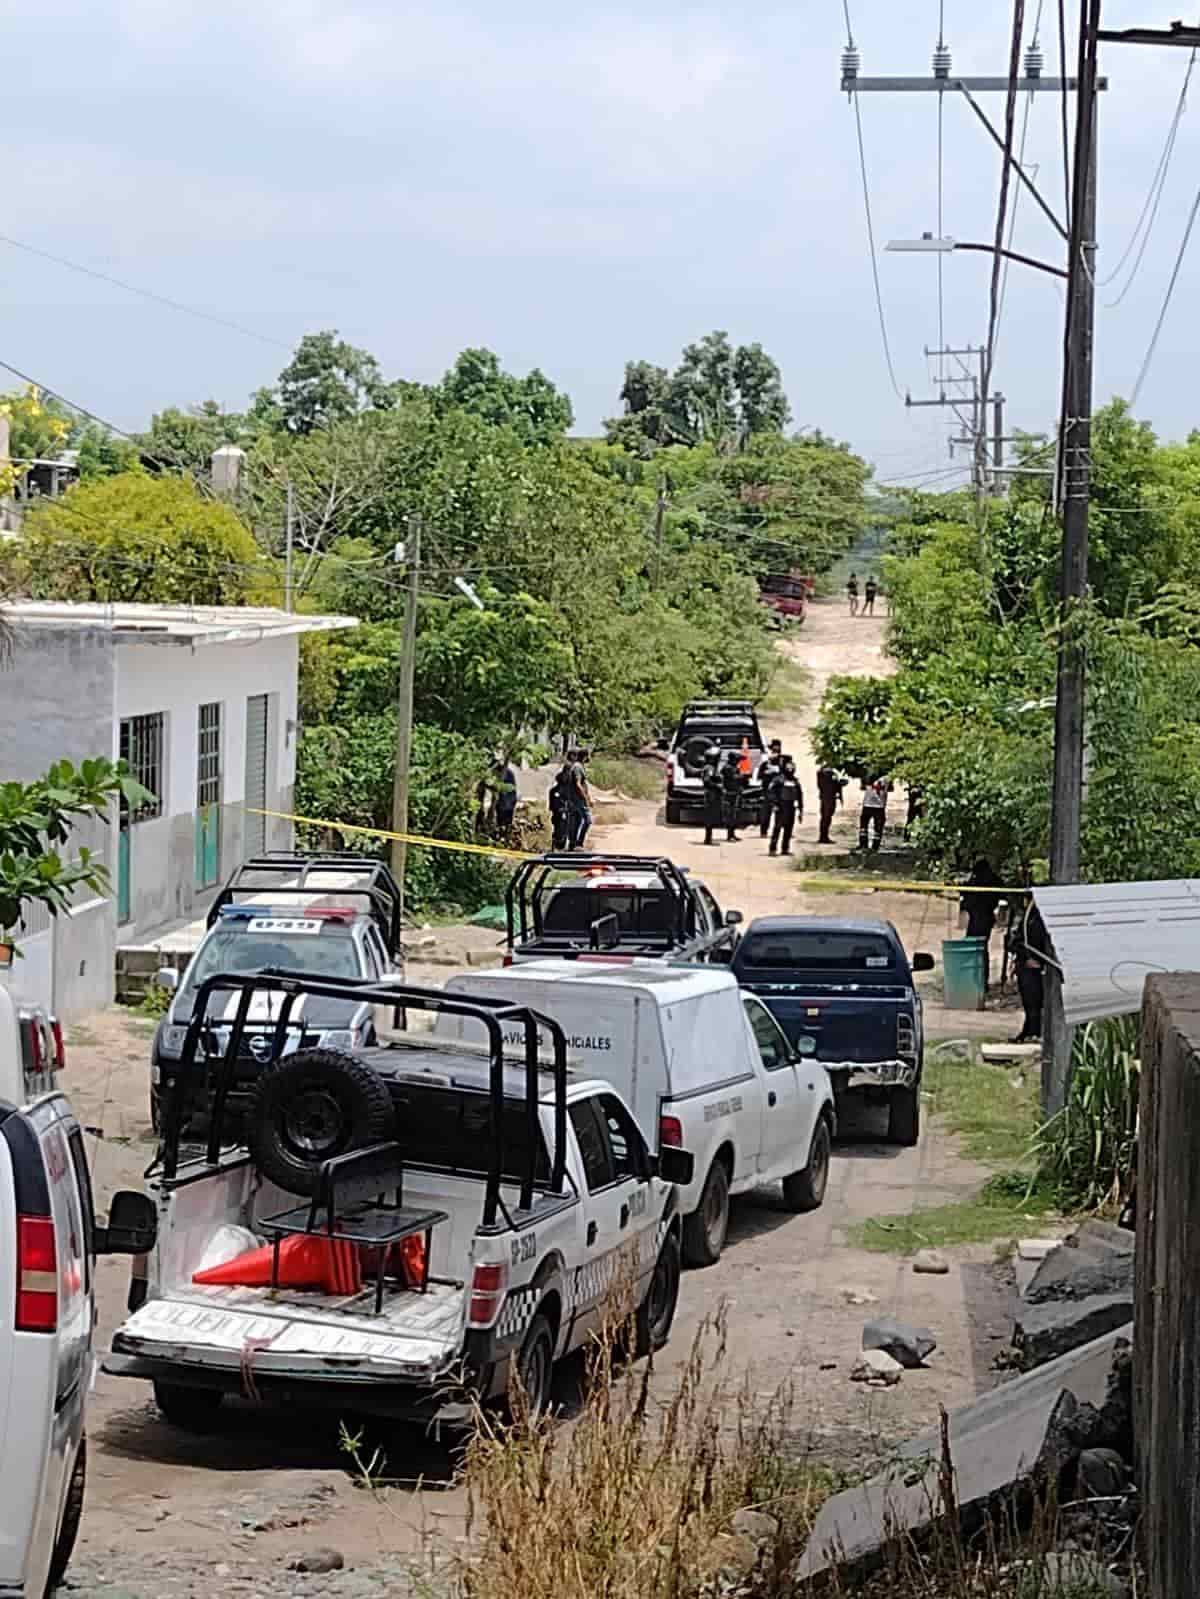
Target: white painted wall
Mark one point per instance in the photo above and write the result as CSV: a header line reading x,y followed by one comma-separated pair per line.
x,y
177,679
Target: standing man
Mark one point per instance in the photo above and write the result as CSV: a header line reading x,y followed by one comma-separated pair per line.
x,y
1028,945
874,812
504,809
733,780
916,808
979,908
789,806
557,801
852,593
767,773
871,590
714,792
829,797
579,800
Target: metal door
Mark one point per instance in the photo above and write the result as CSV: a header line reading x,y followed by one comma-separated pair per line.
x,y
124,886
256,774
208,796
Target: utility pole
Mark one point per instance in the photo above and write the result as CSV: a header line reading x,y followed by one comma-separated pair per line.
x,y
997,435
410,551
660,509
289,539
1075,461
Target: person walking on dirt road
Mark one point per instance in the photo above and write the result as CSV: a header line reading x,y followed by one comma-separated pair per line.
x,y
788,799
852,592
829,797
767,773
874,812
579,800
870,591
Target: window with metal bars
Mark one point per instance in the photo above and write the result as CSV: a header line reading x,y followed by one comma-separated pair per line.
x,y
142,749
208,753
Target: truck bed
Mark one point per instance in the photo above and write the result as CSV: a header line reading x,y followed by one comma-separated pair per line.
x,y
850,1024
299,1334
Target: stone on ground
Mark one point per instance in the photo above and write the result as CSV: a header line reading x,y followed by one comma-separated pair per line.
x,y
876,1366
911,1346
318,1561
930,1262
1045,1331
1038,1421
1100,1474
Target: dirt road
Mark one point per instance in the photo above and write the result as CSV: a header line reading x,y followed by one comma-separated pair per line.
x,y
172,1513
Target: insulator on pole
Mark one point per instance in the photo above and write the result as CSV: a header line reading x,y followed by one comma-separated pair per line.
x,y
1034,60
851,61
941,61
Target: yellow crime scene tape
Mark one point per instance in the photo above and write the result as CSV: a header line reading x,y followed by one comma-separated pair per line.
x,y
797,880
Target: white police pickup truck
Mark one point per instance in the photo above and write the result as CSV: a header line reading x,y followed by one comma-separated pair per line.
x,y
404,1227
705,1066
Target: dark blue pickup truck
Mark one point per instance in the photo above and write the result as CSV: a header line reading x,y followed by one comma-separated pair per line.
x,y
843,991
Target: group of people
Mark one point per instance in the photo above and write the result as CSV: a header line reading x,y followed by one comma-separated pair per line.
x,y
1025,940
869,594
570,802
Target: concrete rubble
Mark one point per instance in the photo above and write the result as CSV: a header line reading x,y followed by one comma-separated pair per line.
x,y
1076,1292
878,1367
1034,1426
911,1346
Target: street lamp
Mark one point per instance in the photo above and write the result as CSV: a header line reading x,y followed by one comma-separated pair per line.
x,y
928,245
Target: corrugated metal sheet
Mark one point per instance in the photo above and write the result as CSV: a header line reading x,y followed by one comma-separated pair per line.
x,y
1109,937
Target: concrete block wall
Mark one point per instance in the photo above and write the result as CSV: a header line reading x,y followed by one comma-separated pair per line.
x,y
1167,1286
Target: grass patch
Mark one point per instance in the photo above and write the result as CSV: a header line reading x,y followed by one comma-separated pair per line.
x,y
790,687
626,774
993,1110
1004,1208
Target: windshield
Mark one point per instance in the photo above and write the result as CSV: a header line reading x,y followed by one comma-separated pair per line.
x,y
234,950
728,735
638,911
817,951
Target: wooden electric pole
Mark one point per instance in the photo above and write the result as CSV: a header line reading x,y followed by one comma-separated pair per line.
x,y
404,708
1075,462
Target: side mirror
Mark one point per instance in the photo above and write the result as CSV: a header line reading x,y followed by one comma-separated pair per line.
x,y
676,1166
167,977
734,918
922,962
132,1225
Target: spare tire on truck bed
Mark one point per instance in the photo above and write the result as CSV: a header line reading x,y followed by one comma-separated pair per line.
x,y
309,1108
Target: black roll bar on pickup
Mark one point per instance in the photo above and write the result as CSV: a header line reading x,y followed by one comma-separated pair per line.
x,y
491,1012
523,895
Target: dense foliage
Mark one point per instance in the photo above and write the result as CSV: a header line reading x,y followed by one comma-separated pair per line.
x,y
616,580
969,715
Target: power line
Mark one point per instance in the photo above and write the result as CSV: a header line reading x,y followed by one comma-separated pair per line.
x,y
1066,137
1153,196
1012,225
1010,112
146,294
1162,315
883,332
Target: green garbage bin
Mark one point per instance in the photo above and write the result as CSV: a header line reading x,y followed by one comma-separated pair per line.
x,y
963,964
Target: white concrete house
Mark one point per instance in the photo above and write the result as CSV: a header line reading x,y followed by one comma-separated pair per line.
x,y
201,701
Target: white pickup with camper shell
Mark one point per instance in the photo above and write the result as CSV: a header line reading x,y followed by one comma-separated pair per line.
x,y
703,1065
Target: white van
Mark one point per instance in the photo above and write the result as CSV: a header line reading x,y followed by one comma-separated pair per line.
x,y
48,1242
704,1067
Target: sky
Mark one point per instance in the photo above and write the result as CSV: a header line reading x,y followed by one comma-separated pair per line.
x,y
573,187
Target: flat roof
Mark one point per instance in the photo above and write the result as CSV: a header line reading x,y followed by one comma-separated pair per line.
x,y
660,979
173,624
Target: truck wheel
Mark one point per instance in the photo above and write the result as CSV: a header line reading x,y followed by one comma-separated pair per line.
x,y
704,1230
194,1409
68,1528
535,1368
804,1190
904,1115
674,813
310,1107
652,1322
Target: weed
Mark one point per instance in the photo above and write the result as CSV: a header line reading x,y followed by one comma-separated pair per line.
x,y
627,775
993,1114
1003,1209
1086,1152
790,688
154,1001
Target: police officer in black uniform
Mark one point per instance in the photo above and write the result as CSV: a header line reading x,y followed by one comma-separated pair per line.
x,y
714,792
767,773
789,806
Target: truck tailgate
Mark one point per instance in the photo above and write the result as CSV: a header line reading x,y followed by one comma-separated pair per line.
x,y
846,1024
224,1327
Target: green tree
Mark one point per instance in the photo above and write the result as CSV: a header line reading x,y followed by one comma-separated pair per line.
x,y
717,394
535,410
184,441
326,381
137,537
36,822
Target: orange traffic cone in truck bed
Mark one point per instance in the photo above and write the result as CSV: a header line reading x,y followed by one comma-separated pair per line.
x,y
306,1260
